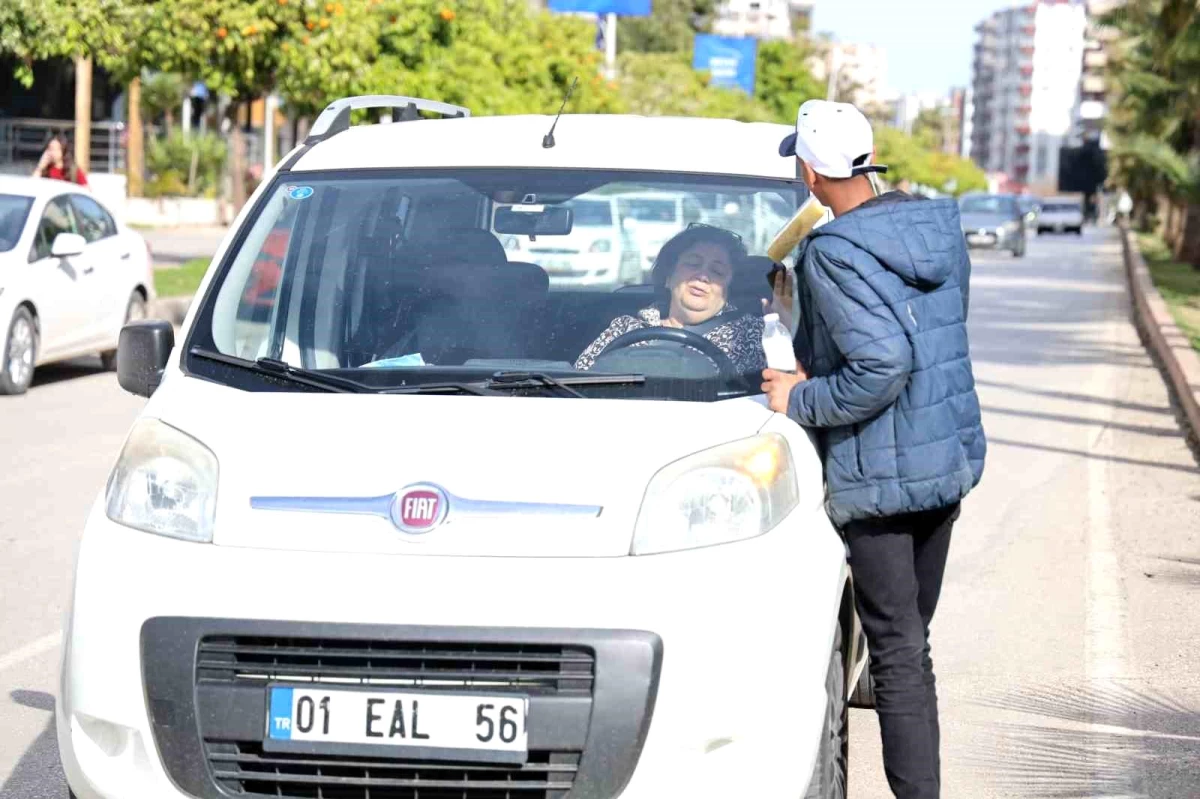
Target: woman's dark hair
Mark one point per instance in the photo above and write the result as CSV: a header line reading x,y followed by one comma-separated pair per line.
x,y
670,253
68,152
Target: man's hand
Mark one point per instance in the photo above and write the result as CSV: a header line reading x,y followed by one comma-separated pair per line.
x,y
778,387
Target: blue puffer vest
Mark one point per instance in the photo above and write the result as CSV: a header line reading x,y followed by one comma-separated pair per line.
x,y
883,295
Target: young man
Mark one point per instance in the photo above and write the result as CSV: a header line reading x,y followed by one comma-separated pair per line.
x,y
886,378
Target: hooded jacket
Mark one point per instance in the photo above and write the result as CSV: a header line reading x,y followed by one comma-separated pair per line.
x,y
883,296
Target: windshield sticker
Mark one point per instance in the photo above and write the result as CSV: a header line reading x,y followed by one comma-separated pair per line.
x,y
299,192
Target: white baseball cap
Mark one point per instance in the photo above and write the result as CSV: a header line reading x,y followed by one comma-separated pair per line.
x,y
835,139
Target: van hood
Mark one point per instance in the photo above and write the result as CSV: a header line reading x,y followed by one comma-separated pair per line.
x,y
522,476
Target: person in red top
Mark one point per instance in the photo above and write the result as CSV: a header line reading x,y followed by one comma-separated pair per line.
x,y
58,162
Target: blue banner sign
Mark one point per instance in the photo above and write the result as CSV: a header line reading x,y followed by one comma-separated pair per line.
x,y
622,8
729,60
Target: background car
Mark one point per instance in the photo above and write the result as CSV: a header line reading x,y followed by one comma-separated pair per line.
x,y
1061,215
70,277
994,221
655,216
597,252
1031,206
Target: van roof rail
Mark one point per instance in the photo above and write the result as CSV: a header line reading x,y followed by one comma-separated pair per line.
x,y
336,116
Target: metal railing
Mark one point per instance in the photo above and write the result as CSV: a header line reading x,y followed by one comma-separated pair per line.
x,y
22,141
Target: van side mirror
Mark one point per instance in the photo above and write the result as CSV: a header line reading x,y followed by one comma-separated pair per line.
x,y
142,354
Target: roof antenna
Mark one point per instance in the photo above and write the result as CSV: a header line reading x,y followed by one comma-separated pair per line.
x,y
548,139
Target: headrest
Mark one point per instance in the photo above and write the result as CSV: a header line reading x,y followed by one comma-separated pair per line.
x,y
501,283
459,245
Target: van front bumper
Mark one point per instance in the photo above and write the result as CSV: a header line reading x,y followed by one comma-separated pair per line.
x,y
708,669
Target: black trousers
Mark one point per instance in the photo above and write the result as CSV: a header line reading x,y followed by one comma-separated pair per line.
x,y
898,563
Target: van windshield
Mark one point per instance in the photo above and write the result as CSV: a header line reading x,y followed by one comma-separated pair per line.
x,y
423,276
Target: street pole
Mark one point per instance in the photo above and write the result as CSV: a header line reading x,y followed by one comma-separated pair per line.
x,y
135,145
83,113
610,45
269,131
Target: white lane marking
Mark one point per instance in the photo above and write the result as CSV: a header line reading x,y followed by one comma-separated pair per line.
x,y
31,650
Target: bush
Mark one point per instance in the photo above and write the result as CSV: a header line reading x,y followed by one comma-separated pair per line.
x,y
170,159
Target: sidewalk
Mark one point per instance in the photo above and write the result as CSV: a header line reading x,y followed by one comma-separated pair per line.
x,y
172,246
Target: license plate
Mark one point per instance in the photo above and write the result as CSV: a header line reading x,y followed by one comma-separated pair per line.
x,y
411,724
976,238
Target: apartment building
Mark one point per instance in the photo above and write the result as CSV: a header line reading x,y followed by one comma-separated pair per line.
x,y
856,73
1091,109
762,19
1025,89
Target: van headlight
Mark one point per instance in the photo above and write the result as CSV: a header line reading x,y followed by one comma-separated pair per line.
x,y
728,493
165,482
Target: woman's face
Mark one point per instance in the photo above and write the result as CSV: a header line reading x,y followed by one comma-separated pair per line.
x,y
699,282
55,150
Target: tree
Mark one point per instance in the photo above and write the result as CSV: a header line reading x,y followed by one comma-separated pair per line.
x,y
907,159
1155,116
783,78
664,84
30,30
670,29
929,128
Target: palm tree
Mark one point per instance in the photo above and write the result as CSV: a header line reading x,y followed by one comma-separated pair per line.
x,y
1155,116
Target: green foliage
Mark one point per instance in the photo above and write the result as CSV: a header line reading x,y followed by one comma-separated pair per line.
x,y
162,95
909,159
180,281
783,79
665,84
181,165
1178,283
28,32
669,30
1155,119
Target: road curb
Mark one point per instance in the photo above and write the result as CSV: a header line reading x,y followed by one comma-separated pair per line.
x,y
1170,346
173,309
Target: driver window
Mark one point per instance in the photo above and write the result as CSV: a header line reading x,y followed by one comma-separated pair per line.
x,y
94,221
57,218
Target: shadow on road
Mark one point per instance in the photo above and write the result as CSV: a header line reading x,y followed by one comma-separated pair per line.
x,y
1082,453
1179,570
1111,740
37,774
67,370
1071,396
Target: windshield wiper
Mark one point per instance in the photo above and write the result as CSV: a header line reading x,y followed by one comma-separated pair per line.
x,y
270,367
478,389
519,380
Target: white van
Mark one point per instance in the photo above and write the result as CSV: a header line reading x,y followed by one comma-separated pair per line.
x,y
386,540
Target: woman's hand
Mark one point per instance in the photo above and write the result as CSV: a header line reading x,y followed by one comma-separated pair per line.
x,y
783,293
778,387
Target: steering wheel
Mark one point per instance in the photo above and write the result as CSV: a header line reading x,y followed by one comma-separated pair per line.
x,y
675,335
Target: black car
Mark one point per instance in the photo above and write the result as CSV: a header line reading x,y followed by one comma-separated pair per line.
x,y
996,221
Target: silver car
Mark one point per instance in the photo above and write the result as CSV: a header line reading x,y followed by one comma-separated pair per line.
x,y
1060,215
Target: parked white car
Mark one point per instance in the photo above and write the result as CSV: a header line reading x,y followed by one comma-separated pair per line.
x,y
654,215
387,539
70,277
595,253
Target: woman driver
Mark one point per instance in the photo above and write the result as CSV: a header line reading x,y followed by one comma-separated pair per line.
x,y
696,267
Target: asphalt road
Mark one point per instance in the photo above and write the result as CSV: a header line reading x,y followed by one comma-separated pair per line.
x,y
1067,632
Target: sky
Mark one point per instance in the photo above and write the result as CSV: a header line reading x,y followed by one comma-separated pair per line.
x,y
929,43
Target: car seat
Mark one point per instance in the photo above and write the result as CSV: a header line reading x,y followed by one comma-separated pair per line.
x,y
452,296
